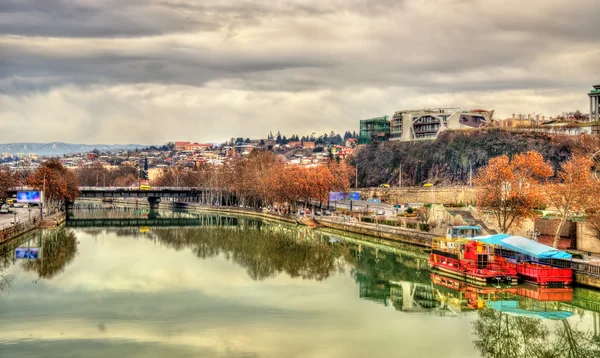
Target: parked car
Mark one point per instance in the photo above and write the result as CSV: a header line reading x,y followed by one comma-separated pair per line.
x,y
317,213
384,186
380,212
327,213
4,209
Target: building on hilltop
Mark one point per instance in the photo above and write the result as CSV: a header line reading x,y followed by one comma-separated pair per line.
x,y
595,104
374,130
308,145
187,146
420,124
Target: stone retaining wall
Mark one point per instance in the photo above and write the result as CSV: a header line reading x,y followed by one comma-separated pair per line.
x,y
427,195
11,232
587,280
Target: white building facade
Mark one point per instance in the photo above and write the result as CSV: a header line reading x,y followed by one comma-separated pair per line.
x,y
423,124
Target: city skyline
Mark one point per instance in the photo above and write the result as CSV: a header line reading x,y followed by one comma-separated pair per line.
x,y
156,71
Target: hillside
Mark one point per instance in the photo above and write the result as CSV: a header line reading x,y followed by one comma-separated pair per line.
x,y
446,160
60,148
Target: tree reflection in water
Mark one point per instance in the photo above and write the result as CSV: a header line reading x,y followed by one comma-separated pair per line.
x,y
59,249
263,253
500,335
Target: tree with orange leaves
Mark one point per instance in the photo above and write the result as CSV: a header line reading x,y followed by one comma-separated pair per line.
x,y
59,184
573,193
509,189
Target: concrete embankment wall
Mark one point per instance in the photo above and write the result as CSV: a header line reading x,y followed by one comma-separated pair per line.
x,y
404,235
14,231
11,232
427,195
586,280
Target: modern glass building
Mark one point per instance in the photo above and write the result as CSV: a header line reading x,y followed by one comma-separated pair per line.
x,y
374,130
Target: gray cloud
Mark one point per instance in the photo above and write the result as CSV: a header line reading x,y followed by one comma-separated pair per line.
x,y
300,52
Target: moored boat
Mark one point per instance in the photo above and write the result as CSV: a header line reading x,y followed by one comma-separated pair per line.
x,y
470,260
527,258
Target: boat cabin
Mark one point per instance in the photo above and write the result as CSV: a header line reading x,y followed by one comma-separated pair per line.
x,y
463,232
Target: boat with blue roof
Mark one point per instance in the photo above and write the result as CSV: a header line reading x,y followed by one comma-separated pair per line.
x,y
458,255
530,259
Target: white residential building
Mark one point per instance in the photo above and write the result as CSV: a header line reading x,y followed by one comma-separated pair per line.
x,y
420,124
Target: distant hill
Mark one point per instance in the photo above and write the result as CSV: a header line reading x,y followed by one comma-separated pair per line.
x,y
60,148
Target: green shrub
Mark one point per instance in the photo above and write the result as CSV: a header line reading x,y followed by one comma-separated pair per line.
x,y
410,210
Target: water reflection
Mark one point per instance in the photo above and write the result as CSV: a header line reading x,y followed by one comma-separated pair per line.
x,y
502,335
299,286
58,248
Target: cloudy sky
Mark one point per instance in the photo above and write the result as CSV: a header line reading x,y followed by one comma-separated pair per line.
x,y
151,71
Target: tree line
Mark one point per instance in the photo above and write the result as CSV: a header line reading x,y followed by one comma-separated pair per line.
x,y
325,139
261,179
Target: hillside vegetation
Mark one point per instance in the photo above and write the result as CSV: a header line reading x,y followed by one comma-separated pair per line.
x,y
446,160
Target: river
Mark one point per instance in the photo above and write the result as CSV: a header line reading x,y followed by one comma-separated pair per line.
x,y
237,287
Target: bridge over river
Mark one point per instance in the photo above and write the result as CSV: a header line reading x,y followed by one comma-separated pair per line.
x,y
153,195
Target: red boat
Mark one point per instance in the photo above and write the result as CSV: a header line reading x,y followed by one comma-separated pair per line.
x,y
544,275
471,261
524,255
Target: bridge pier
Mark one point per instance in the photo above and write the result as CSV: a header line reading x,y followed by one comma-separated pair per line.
x,y
69,206
154,201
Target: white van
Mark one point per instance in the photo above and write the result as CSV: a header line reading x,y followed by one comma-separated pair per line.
x,y
4,209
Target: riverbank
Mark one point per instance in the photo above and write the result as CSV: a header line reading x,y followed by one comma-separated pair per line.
x,y
12,232
375,231
396,234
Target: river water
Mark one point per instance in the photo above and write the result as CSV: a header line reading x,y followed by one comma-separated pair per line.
x,y
235,287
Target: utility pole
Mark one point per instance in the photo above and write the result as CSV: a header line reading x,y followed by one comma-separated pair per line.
x,y
104,179
400,177
356,177
97,180
470,173
43,198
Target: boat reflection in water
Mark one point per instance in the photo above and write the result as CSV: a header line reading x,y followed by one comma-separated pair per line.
x,y
526,300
